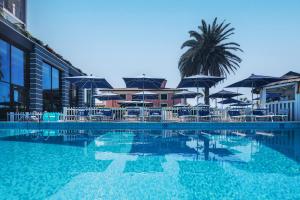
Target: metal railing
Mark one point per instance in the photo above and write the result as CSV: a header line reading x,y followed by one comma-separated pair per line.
x,y
24,116
165,114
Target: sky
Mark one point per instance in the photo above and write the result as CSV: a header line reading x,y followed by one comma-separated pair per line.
x,y
126,38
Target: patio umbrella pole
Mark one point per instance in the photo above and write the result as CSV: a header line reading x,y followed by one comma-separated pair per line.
x,y
252,96
91,100
198,95
143,117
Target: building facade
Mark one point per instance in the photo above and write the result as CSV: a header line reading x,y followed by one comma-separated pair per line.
x,y
31,73
283,97
165,96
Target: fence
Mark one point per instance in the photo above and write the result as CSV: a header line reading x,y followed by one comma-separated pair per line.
x,y
167,114
34,116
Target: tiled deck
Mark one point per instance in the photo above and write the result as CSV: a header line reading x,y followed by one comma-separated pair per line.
x,y
150,125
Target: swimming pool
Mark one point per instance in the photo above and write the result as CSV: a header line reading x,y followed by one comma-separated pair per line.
x,y
149,164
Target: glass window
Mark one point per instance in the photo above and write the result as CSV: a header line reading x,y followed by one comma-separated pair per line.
x,y
4,61
163,105
88,97
73,95
17,8
123,96
46,76
281,93
51,88
17,66
12,78
4,95
55,79
4,99
164,96
19,99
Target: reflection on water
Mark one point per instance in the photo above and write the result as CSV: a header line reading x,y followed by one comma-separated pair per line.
x,y
206,145
188,164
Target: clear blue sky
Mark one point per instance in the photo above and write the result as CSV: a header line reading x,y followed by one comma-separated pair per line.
x,y
118,38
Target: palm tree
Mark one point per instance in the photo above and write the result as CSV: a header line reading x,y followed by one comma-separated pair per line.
x,y
209,53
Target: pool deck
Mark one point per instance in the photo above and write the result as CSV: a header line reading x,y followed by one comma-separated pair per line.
x,y
151,125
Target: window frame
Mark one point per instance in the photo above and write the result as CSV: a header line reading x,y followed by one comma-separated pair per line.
x,y
51,99
167,96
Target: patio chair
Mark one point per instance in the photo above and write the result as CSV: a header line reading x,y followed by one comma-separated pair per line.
x,y
260,115
235,115
102,115
214,115
155,114
33,117
185,114
281,116
203,114
83,115
132,114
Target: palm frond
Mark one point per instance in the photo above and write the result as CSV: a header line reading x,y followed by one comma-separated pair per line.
x,y
208,53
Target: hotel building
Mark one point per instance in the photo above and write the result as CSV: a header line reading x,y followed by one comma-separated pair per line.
x,y
31,73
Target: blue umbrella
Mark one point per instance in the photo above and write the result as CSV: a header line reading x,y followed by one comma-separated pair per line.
x,y
144,83
255,81
241,104
185,95
108,96
199,81
230,101
90,82
224,94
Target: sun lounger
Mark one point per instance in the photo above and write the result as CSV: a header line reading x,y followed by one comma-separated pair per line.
x,y
33,117
155,115
260,115
102,115
133,114
82,115
281,116
203,115
208,114
185,114
235,115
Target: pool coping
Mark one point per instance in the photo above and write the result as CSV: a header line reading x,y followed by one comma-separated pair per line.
x,y
150,125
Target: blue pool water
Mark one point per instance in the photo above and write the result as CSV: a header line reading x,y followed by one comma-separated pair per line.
x,y
145,164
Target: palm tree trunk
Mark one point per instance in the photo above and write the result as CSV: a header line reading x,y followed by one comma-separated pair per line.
x,y
206,94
